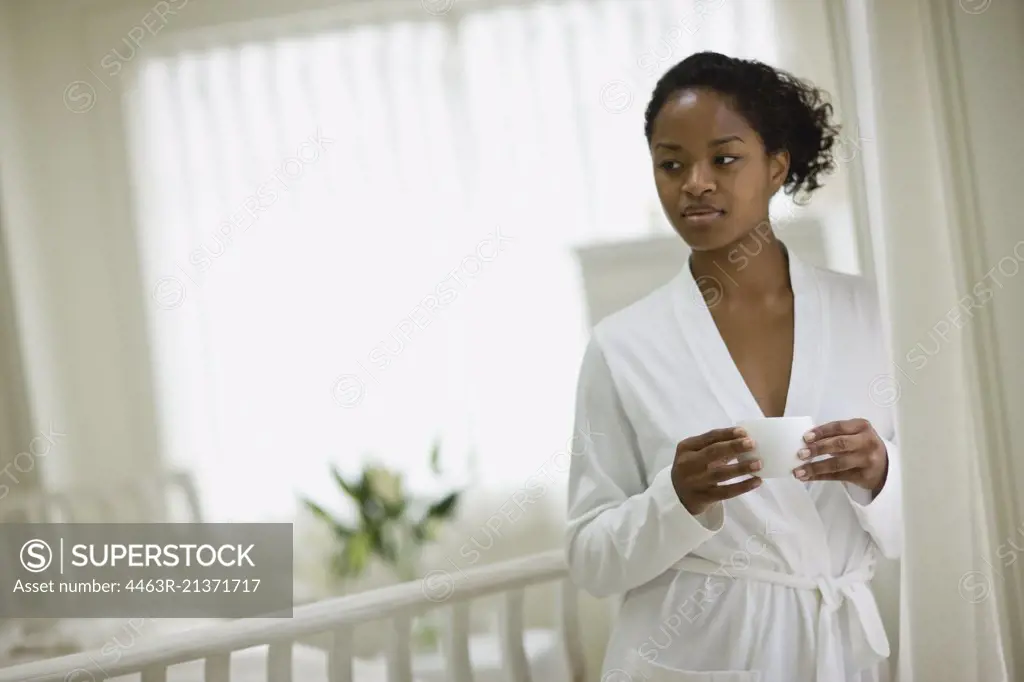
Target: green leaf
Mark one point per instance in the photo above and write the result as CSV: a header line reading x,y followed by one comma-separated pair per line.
x,y
435,457
339,564
395,511
342,531
365,489
426,530
374,511
382,544
445,507
318,511
375,536
356,492
356,555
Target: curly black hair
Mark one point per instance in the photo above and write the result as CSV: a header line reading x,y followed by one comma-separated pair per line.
x,y
787,112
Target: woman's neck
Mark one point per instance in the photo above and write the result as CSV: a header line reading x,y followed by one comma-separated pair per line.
x,y
753,268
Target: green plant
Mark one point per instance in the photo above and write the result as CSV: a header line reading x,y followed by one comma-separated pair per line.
x,y
391,525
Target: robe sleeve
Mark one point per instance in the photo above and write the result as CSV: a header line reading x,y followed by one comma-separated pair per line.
x,y
621,533
882,517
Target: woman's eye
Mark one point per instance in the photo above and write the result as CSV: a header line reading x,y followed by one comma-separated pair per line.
x,y
725,160
670,165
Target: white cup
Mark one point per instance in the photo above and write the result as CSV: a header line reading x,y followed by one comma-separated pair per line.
x,y
776,442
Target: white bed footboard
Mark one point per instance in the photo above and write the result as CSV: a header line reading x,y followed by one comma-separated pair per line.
x,y
215,645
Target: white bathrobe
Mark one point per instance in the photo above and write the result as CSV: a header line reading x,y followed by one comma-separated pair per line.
x,y
771,585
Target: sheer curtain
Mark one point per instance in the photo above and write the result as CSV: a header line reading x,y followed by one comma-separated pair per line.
x,y
359,241
935,208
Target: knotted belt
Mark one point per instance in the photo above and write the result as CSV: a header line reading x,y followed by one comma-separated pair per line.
x,y
868,639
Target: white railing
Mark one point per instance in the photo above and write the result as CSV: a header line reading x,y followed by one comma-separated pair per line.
x,y
339,617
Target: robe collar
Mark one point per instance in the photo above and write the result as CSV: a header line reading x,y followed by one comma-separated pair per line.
x,y
809,344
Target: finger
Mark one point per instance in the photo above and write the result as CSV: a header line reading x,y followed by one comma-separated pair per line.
x,y
688,450
843,427
836,445
724,473
697,443
726,450
725,492
851,475
832,465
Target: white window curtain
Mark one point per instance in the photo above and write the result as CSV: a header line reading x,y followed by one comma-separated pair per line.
x,y
925,192
359,241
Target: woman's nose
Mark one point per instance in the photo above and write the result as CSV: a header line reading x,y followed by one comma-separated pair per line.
x,y
698,181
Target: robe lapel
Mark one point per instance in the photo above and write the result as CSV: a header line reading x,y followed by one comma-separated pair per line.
x,y
810,350
787,502
709,350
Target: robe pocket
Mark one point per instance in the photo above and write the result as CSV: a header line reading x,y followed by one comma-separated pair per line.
x,y
653,672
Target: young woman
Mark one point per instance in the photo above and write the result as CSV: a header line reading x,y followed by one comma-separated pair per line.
x,y
722,575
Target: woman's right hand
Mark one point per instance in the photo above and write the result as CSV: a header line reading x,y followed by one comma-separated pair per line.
x,y
702,462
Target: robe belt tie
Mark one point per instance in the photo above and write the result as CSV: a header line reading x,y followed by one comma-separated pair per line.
x,y
869,643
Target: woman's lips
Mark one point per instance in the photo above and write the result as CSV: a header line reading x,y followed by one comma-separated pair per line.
x,y
702,217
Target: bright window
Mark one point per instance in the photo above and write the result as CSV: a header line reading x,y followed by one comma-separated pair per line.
x,y
320,228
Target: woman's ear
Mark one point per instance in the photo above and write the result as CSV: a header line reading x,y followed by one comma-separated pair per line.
x,y
778,169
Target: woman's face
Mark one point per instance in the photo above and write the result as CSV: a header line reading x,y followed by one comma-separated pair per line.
x,y
710,167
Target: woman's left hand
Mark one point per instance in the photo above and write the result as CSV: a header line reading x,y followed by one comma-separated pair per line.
x,y
859,455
